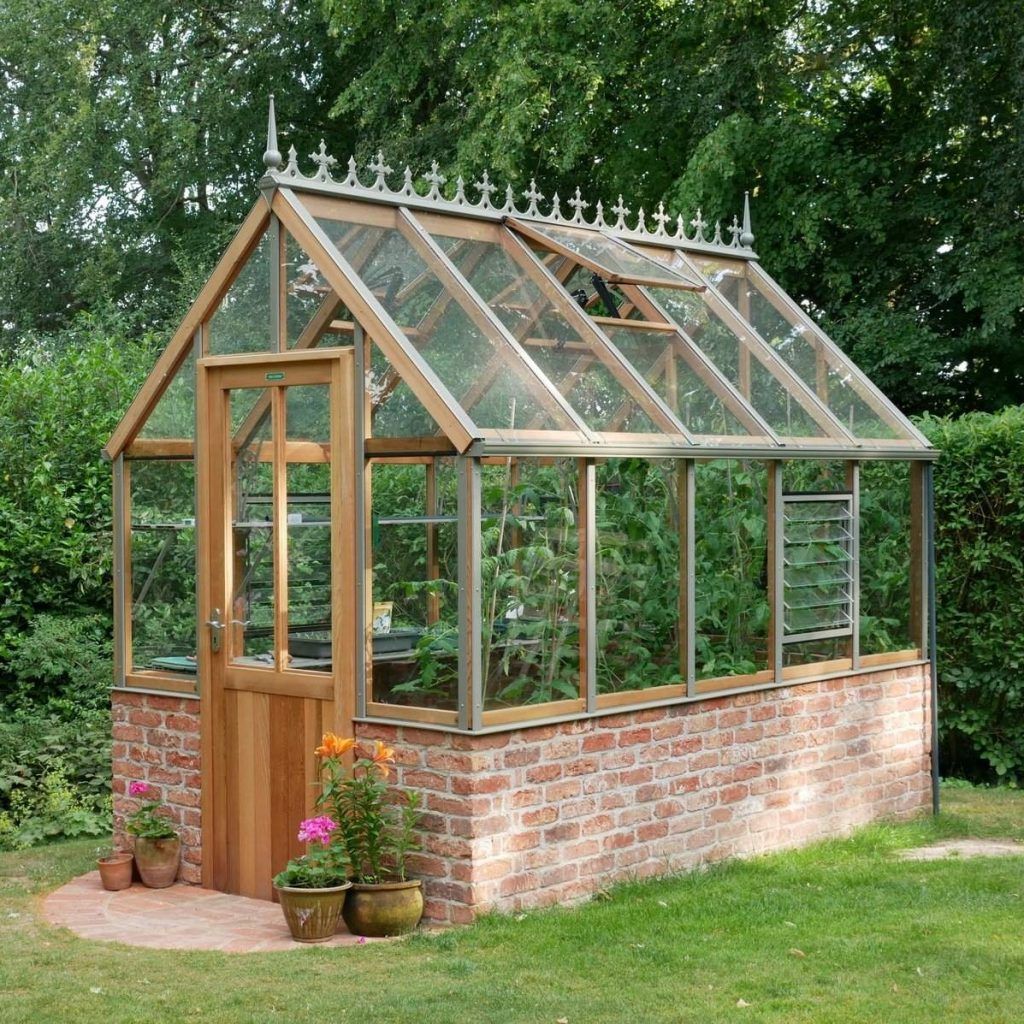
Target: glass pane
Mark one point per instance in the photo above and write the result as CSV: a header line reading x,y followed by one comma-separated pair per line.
x,y
656,357
792,338
242,322
530,583
394,410
553,343
615,259
415,583
885,562
743,366
731,568
813,476
251,616
482,371
307,419
306,292
175,413
163,566
637,574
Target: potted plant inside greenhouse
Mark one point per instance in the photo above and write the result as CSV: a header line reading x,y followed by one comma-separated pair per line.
x,y
157,845
377,833
311,889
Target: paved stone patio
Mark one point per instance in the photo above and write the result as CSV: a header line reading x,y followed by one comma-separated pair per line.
x,y
964,848
181,917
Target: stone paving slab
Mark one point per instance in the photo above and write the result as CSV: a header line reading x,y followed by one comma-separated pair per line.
x,y
964,848
180,917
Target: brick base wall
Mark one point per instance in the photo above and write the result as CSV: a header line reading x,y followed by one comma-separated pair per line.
x,y
551,814
156,740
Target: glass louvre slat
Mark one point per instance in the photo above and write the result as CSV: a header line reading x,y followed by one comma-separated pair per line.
x,y
697,406
792,339
616,260
552,342
482,372
742,365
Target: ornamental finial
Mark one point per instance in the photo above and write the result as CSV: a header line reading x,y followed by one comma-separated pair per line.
x,y
747,237
272,155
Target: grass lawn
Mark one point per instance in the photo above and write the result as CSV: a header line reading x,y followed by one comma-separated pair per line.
x,y
838,932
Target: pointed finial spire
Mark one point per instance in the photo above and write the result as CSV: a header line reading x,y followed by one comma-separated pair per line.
x,y
272,156
747,237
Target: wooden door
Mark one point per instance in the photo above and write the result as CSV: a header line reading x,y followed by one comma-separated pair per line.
x,y
277,600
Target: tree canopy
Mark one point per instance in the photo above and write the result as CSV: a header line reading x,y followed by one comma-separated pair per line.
x,y
881,140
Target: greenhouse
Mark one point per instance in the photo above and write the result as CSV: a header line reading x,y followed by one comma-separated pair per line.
x,y
459,472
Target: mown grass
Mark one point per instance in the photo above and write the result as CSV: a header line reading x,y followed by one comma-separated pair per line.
x,y
840,932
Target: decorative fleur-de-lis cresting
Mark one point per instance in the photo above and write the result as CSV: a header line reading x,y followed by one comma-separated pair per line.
x,y
324,161
740,240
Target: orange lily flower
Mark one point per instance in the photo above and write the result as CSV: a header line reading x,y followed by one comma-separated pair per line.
x,y
334,746
382,757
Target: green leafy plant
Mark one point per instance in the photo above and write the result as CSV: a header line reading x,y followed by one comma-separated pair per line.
x,y
146,821
324,865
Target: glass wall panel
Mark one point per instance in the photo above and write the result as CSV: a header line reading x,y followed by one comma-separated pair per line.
x,y
885,557
637,573
791,336
565,356
394,410
530,582
731,568
163,566
251,616
174,415
306,292
242,322
744,366
482,372
415,585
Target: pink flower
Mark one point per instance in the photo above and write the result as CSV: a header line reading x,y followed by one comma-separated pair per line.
x,y
317,830
138,788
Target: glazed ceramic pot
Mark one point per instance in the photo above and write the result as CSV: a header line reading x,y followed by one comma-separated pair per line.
x,y
385,908
115,871
312,914
157,860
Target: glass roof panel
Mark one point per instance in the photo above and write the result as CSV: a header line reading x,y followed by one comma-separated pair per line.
x,y
615,260
741,363
792,337
656,354
482,372
567,359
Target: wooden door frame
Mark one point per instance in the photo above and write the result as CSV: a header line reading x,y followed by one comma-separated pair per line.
x,y
335,368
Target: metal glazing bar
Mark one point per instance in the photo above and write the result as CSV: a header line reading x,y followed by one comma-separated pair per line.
x,y
470,703
433,255
775,564
769,358
918,558
688,575
933,654
870,393
588,579
361,468
853,483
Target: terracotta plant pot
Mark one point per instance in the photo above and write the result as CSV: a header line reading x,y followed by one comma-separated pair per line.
x,y
115,871
312,914
387,908
157,860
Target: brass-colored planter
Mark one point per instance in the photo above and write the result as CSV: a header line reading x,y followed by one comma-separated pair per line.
x,y
157,860
387,908
115,871
312,914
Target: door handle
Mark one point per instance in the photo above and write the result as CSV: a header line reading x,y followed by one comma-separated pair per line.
x,y
215,627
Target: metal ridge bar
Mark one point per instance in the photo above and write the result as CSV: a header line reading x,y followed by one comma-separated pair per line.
x,y
704,454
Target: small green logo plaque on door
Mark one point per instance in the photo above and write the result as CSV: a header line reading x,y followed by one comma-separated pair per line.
x,y
278,375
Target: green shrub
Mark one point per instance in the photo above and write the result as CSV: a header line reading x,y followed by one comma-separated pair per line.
x,y
979,509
